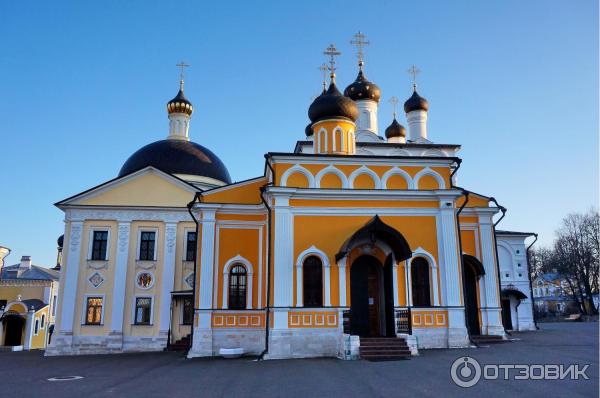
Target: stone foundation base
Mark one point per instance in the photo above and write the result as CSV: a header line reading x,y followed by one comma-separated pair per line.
x,y
114,343
458,338
304,343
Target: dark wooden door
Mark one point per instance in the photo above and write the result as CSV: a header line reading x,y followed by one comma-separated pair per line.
x,y
506,314
374,304
14,330
471,308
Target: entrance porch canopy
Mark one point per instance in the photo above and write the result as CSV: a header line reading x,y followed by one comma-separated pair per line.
x,y
375,230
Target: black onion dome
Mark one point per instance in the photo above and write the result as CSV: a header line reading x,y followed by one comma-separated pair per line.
x,y
363,89
180,104
308,130
416,103
332,104
177,157
395,130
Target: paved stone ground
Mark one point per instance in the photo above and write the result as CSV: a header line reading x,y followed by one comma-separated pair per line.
x,y
24,374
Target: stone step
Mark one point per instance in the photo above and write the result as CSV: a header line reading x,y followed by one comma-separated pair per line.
x,y
384,351
385,357
488,339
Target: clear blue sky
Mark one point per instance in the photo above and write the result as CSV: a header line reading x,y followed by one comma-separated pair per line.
x,y
84,84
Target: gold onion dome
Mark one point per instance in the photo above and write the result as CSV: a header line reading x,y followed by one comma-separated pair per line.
x,y
363,89
180,104
395,129
332,105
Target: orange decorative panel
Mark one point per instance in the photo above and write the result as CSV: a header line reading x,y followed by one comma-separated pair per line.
x,y
312,319
429,319
238,320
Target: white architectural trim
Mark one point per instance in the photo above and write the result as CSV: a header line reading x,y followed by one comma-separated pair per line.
x,y
70,276
84,308
428,171
120,277
319,139
313,251
144,271
98,228
369,172
334,147
249,273
133,314
168,276
333,170
397,171
139,241
298,169
342,280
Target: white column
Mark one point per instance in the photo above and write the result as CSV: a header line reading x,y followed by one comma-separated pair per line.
x,y
395,281
207,259
283,261
168,276
409,300
28,328
342,280
490,279
202,341
449,268
249,299
299,287
327,283
70,278
120,278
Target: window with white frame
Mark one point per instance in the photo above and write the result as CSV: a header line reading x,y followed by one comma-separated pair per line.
x,y
99,246
190,246
94,310
143,310
43,325
147,248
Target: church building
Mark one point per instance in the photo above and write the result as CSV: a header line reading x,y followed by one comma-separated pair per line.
x,y
357,243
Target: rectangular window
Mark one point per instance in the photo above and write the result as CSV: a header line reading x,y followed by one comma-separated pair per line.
x,y
94,311
143,308
188,311
99,244
147,240
190,247
53,305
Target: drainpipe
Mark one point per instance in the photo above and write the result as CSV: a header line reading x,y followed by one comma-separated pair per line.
x,y
530,283
269,234
190,206
462,262
503,210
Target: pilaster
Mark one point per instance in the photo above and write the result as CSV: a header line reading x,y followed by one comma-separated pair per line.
x,y
168,276
120,283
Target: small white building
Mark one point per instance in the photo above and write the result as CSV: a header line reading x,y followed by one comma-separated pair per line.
x,y
517,305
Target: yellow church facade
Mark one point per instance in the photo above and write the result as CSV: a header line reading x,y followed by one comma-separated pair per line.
x,y
352,245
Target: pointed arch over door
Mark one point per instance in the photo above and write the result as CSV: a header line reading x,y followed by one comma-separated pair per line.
x,y
375,230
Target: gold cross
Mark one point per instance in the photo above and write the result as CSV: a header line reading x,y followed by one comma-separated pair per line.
x,y
360,42
323,68
414,71
394,101
332,52
181,66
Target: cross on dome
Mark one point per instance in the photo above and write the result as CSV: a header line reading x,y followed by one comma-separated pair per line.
x,y
332,52
414,71
360,42
182,65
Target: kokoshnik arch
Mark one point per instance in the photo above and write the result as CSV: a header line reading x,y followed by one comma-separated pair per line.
x,y
352,235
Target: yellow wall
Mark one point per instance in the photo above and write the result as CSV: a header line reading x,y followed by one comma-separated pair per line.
x,y
244,193
148,189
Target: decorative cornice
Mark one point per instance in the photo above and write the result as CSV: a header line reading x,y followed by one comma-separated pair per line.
x,y
126,215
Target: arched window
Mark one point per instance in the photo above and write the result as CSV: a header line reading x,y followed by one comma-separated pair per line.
x,y
421,293
237,287
312,282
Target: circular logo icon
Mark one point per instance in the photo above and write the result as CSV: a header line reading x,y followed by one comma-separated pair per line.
x,y
465,372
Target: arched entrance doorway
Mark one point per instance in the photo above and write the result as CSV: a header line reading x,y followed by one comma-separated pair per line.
x,y
13,325
473,269
371,282
371,297
511,298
